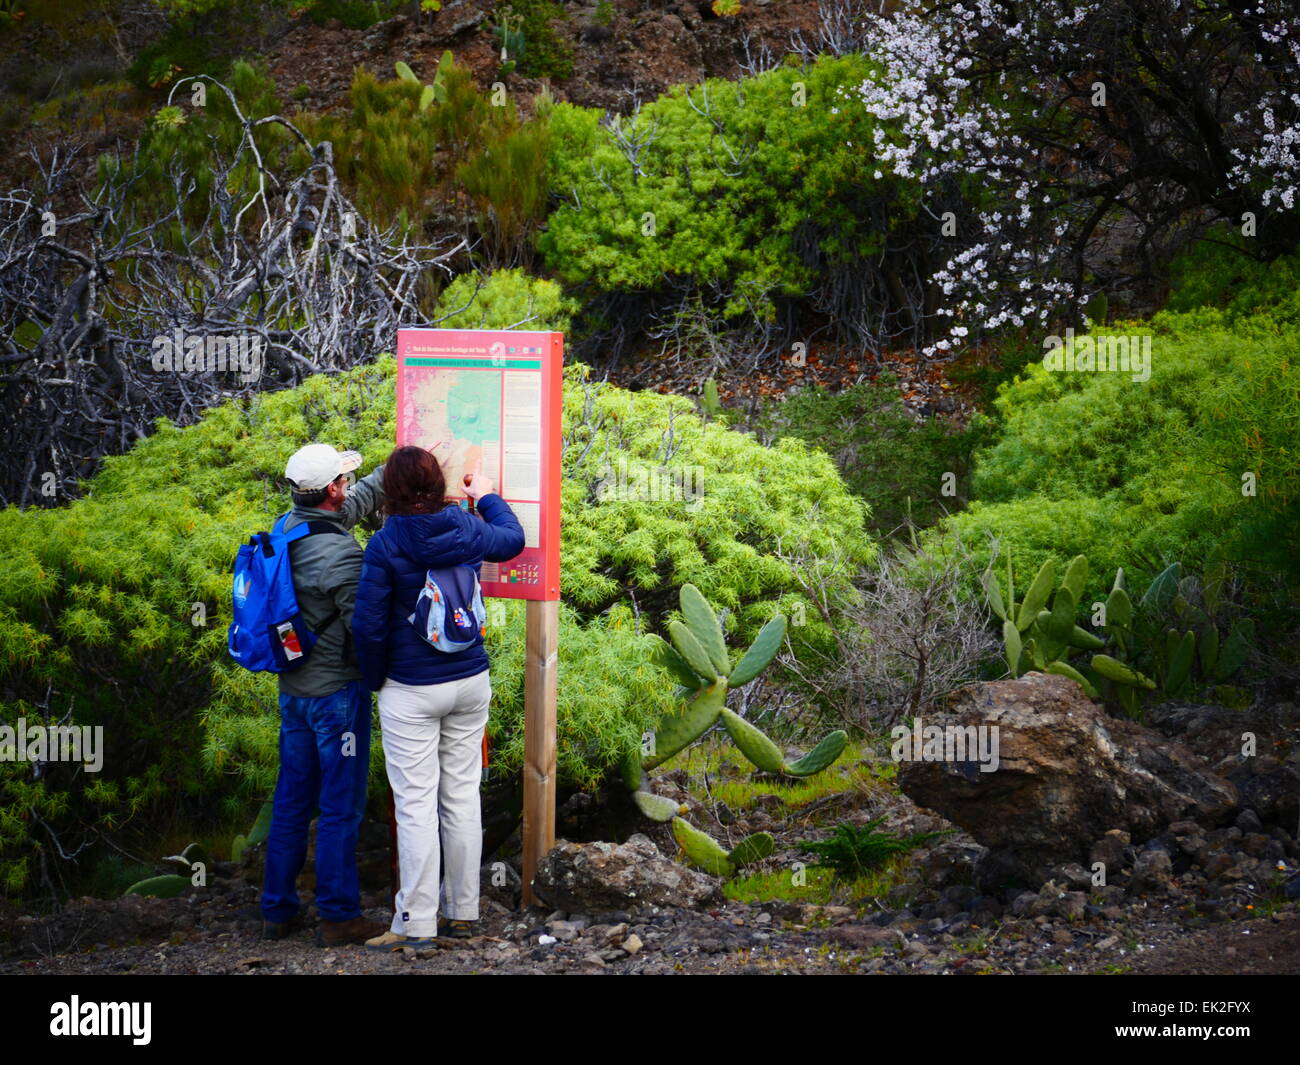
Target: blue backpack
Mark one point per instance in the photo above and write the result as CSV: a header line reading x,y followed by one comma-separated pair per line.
x,y
267,633
449,613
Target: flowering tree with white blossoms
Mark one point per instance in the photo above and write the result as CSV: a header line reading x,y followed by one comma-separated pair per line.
x,y
1137,120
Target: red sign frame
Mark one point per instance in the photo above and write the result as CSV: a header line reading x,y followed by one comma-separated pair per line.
x,y
513,356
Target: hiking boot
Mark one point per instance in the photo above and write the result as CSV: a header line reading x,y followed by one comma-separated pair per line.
x,y
392,941
281,929
339,933
454,929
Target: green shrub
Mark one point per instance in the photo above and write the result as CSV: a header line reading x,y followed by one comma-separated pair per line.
x,y
399,162
989,368
354,14
509,296
758,197
411,166
201,37
1223,274
385,149
183,139
179,52
1138,474
506,181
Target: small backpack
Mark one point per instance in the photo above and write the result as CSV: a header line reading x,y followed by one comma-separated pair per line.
x,y
267,633
449,613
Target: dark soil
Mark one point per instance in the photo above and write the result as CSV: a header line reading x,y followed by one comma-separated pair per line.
x,y
1252,948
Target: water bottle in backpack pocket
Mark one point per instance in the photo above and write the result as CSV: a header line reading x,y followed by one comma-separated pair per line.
x,y
267,633
449,613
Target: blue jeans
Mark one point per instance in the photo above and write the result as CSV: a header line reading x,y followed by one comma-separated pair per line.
x,y
320,766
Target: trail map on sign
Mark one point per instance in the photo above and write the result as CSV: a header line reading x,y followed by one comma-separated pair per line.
x,y
457,416
492,396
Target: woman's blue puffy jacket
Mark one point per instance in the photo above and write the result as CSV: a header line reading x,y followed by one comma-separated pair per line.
x,y
392,574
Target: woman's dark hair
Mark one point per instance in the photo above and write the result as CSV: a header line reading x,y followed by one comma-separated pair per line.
x,y
413,482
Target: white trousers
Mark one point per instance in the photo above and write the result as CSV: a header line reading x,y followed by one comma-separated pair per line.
x,y
433,746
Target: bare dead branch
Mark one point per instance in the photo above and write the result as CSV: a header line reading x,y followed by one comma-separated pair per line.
x,y
287,267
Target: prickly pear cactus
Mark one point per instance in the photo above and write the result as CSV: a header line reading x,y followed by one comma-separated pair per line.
x,y
698,660
753,744
656,807
702,850
752,849
760,653
678,730
821,756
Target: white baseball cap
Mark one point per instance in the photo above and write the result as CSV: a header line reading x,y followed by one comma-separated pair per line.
x,y
316,465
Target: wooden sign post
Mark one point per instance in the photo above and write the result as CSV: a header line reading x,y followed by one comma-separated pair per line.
x,y
539,736
493,396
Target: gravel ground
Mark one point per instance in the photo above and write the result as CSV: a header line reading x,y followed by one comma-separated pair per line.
x,y
219,934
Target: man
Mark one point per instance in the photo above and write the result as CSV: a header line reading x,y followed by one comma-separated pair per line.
x,y
324,707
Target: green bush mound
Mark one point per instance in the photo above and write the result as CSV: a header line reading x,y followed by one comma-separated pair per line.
x,y
114,609
753,194
529,34
1136,474
197,39
510,296
354,14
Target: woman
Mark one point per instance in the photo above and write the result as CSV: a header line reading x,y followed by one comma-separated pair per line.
x,y
433,705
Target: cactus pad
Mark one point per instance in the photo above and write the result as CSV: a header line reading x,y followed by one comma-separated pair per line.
x,y
1036,598
703,623
753,744
631,769
662,654
691,650
160,887
655,807
701,849
829,749
1112,669
752,849
1064,669
760,653
675,731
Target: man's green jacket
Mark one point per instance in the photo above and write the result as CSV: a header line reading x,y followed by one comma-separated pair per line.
x,y
326,568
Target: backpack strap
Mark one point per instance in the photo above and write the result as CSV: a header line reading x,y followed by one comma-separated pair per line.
x,y
325,527
302,531
305,528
